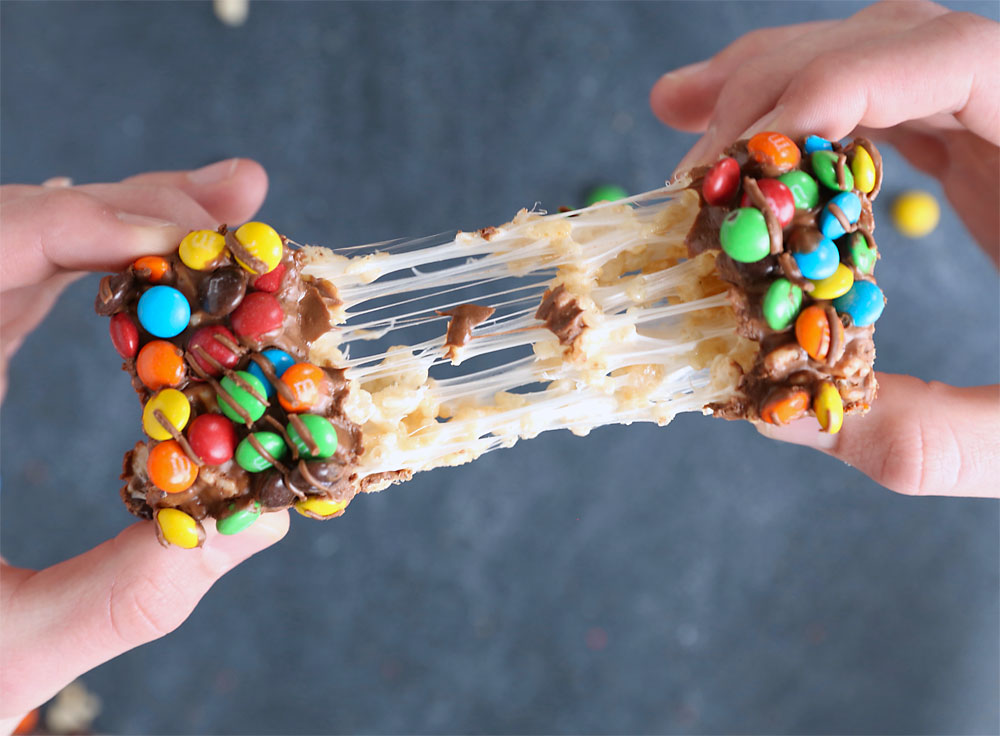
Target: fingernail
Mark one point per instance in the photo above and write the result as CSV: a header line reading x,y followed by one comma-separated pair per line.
x,y
130,218
698,151
214,173
763,123
58,182
805,432
686,71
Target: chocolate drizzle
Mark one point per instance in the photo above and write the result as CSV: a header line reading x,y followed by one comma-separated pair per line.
x,y
256,444
464,318
160,417
257,266
304,433
562,314
759,201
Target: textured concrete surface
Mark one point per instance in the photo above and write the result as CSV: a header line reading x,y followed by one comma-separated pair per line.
x,y
690,579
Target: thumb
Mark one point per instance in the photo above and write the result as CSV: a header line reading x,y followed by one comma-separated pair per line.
x,y
919,438
65,620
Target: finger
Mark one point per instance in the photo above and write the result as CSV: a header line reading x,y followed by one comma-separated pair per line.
x,y
231,191
753,98
919,438
67,229
67,619
684,98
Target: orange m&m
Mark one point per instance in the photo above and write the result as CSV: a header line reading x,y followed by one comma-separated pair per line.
x,y
160,363
784,405
308,385
776,152
156,266
169,468
813,330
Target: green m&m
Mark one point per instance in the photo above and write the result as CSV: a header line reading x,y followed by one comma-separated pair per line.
x,y
237,394
824,166
804,189
744,235
237,521
247,456
862,255
322,433
781,304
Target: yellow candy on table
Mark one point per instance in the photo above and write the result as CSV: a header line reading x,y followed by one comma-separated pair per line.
x,y
262,242
175,407
320,507
863,169
179,528
829,408
915,213
201,248
838,284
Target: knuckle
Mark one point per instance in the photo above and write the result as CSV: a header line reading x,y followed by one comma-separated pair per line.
x,y
970,28
143,609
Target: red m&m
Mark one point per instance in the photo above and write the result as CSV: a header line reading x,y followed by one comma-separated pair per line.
x,y
124,335
721,182
258,314
213,438
779,198
216,341
270,281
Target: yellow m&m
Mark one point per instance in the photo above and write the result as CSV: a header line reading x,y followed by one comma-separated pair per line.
x,y
829,408
915,214
263,243
835,285
179,528
320,507
175,407
863,169
200,249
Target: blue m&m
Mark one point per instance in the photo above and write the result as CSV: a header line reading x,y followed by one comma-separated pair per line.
x,y
281,361
163,311
849,204
864,302
815,143
819,263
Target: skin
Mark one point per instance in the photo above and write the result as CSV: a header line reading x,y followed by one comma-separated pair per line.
x,y
129,590
931,74
924,79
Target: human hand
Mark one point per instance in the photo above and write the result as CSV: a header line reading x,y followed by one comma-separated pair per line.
x,y
924,79
67,619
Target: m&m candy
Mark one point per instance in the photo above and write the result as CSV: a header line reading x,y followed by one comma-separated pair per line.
x,y
778,197
604,193
814,143
785,405
238,520
258,314
849,204
824,166
744,235
320,508
237,402
251,459
176,410
863,169
775,151
279,360
169,468
163,311
270,281
155,266
804,189
213,438
721,182
915,214
829,408
861,253
124,335
308,385
864,302
833,286
322,435
781,304
813,330
262,243
220,345
201,249
179,528
819,262
222,291
160,363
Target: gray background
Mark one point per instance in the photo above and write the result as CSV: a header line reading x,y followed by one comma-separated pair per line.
x,y
741,586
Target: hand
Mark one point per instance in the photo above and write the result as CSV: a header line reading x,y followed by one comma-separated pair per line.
x,y
924,79
60,622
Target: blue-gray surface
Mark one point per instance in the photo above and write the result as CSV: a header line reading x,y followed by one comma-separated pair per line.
x,y
696,578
